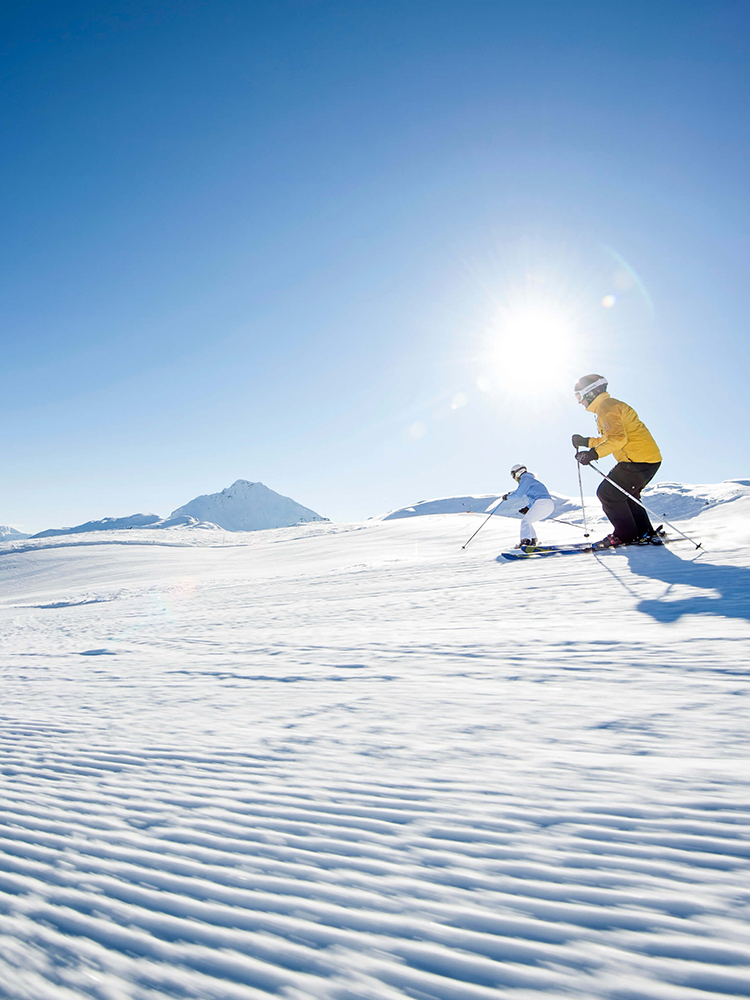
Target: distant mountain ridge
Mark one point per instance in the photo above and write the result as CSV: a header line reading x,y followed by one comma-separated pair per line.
x,y
243,506
130,521
667,499
246,506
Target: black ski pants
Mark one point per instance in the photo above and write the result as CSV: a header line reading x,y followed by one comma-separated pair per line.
x,y
628,518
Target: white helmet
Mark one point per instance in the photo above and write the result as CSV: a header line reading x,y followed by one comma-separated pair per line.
x,y
517,471
589,387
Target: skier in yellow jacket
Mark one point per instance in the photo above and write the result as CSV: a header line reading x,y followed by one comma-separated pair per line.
x,y
623,435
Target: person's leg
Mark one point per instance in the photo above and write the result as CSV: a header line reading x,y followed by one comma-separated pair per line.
x,y
527,528
629,519
640,474
617,507
536,512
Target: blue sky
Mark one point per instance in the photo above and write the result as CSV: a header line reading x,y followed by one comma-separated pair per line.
x,y
360,251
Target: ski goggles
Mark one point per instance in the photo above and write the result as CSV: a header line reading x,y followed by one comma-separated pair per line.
x,y
580,394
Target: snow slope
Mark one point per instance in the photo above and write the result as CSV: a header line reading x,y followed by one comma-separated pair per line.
x,y
354,762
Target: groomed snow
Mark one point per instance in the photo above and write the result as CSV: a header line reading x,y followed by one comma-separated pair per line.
x,y
354,762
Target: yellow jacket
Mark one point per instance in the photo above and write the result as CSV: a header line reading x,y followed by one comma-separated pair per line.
x,y
622,432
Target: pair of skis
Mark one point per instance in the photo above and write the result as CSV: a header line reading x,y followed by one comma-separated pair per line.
x,y
534,551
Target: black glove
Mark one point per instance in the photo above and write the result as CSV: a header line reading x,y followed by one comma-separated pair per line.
x,y
586,457
579,441
505,498
524,510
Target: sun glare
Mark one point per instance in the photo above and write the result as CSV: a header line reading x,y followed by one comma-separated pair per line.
x,y
547,314
529,340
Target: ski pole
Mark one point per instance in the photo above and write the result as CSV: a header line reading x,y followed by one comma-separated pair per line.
x,y
481,525
583,506
630,496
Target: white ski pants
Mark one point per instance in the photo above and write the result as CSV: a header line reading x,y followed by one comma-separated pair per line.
x,y
537,512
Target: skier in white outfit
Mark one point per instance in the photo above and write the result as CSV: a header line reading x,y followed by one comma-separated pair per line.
x,y
536,501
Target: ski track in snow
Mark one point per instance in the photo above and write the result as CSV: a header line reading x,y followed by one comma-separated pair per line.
x,y
355,763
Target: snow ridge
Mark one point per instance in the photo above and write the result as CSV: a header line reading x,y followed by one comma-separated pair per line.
x,y
479,503
221,875
671,500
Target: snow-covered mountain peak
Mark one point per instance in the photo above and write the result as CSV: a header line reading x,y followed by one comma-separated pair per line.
x,y
247,506
7,533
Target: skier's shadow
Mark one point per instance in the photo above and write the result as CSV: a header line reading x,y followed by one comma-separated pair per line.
x,y
731,582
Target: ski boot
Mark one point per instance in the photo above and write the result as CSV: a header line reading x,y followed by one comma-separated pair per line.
x,y
608,542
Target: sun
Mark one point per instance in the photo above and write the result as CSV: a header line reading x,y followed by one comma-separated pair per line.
x,y
528,340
